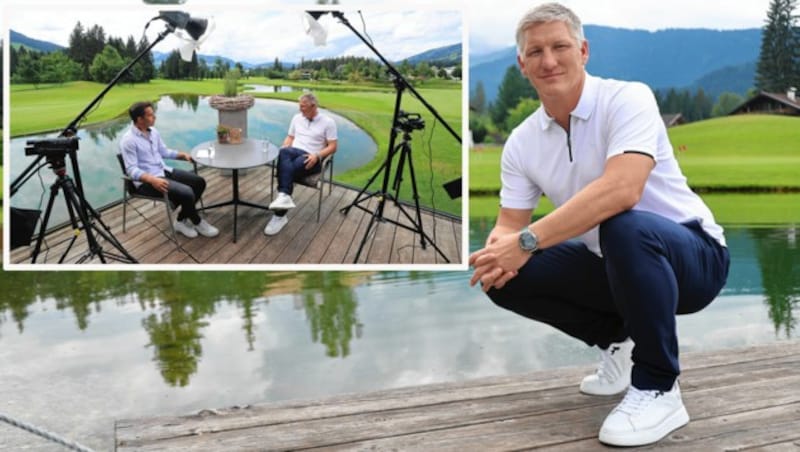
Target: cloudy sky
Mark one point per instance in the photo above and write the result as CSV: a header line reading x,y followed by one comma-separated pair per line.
x,y
258,31
255,34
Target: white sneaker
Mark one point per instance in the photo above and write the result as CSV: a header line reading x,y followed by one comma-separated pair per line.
x,y
275,225
205,229
613,374
186,228
644,417
282,202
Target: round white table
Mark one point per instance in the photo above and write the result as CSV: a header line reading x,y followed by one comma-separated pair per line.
x,y
250,153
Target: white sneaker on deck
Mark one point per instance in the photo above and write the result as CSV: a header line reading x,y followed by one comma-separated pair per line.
x,y
613,374
275,225
186,228
205,229
644,417
282,202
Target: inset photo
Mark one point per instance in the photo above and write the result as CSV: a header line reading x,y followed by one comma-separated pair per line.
x,y
234,138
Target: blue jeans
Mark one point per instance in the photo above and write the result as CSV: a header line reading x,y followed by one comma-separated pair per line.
x,y
185,189
652,269
291,166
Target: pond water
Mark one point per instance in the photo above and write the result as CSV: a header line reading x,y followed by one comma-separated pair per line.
x,y
80,349
269,88
183,121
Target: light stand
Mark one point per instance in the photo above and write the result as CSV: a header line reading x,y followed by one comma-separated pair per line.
x,y
83,217
401,122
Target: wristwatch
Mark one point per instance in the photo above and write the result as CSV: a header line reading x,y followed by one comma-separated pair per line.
x,y
528,240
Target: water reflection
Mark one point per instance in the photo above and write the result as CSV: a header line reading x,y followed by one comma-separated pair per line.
x,y
179,309
269,88
779,259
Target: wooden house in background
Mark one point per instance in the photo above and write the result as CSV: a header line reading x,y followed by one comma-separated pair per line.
x,y
673,119
771,103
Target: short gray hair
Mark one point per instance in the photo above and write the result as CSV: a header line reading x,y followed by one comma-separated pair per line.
x,y
549,12
309,97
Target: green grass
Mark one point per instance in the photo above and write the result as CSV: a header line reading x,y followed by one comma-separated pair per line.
x,y
735,151
436,158
740,151
739,208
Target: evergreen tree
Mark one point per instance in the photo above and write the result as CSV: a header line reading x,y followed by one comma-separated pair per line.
x,y
477,101
726,103
513,88
779,61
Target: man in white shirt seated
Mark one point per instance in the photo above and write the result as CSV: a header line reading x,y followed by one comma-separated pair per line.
x,y
311,138
143,152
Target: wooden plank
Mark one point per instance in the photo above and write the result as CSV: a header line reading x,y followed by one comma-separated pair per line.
x,y
497,400
496,423
378,248
335,238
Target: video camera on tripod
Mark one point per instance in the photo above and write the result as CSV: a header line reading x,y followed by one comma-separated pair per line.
x,y
51,147
408,122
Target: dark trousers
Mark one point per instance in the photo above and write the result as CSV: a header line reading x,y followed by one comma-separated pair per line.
x,y
185,189
652,269
291,166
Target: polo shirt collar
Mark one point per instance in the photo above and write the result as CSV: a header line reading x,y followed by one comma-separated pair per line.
x,y
585,105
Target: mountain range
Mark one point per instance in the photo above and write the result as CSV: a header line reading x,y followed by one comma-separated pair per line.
x,y
450,54
715,60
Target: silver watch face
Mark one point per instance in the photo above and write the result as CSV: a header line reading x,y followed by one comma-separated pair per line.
x,y
528,241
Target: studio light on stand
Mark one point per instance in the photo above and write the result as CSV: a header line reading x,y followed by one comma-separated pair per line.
x,y
402,123
82,216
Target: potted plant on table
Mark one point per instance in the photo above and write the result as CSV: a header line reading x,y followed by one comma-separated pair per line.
x,y
232,107
223,132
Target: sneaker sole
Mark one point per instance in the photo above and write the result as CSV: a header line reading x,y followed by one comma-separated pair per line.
x,y
673,422
608,392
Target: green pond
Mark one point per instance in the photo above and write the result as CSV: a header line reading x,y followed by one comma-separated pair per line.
x,y
81,349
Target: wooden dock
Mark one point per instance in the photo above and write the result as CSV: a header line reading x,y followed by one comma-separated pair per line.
x,y
333,240
737,399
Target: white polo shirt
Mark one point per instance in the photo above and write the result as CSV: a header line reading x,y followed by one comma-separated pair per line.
x,y
312,135
611,117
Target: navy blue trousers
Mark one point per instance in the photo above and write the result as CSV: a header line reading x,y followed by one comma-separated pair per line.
x,y
185,189
291,165
652,269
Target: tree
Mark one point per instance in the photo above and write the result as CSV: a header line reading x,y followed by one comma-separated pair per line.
x,y
779,61
106,65
477,101
726,103
513,88
58,68
524,108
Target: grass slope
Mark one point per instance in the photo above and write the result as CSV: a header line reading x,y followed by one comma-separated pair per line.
x,y
735,151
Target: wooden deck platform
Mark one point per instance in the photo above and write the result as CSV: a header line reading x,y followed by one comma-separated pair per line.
x,y
738,399
334,240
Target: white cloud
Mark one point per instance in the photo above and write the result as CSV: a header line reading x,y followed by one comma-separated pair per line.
x,y
253,34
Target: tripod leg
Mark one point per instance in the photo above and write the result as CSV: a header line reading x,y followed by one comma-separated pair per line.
x,y
372,220
43,226
346,209
416,197
73,199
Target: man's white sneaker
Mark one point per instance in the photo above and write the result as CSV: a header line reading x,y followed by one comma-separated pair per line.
x,y
205,229
186,228
282,202
275,225
644,417
613,374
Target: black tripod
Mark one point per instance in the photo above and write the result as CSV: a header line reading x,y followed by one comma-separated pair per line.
x,y
400,121
86,219
55,150
405,123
